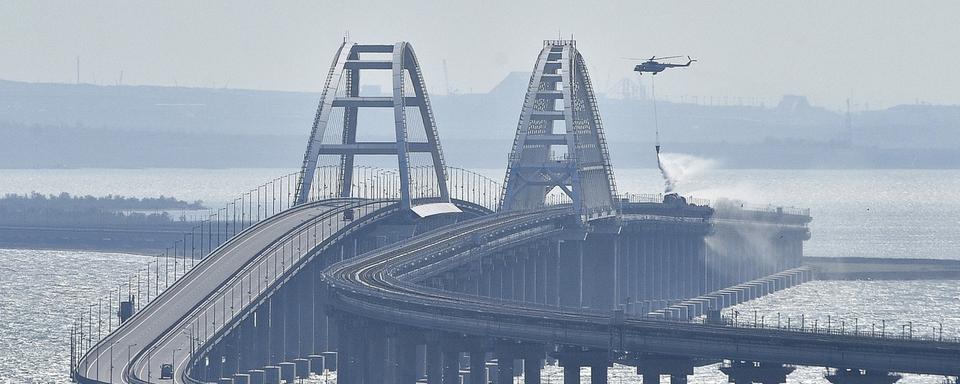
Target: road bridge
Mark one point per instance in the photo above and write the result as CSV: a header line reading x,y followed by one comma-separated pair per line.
x,y
391,276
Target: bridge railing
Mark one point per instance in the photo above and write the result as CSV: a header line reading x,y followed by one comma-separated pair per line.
x,y
218,226
885,330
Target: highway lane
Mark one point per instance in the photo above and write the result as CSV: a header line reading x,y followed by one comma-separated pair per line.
x,y
369,286
217,288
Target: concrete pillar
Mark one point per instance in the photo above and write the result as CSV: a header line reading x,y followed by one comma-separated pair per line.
x,y
551,273
215,362
485,273
540,266
599,274
349,369
496,277
598,374
530,277
509,276
505,365
230,351
434,363
531,369
400,365
241,378
271,374
478,367
288,371
316,364
330,360
376,349
256,376
651,378
571,374
761,372
451,365
570,267
275,338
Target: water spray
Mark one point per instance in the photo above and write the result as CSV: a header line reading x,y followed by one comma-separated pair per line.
x,y
667,180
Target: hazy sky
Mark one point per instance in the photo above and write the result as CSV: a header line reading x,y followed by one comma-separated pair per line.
x,y
879,52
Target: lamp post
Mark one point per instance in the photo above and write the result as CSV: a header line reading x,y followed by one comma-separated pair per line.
x,y
129,360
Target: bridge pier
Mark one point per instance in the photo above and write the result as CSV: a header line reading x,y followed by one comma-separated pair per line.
x,y
570,273
451,363
375,361
539,260
573,358
530,276
401,358
651,367
599,271
434,360
551,273
275,338
747,372
349,350
858,376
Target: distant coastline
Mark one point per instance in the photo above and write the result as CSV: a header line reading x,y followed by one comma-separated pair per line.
x,y
66,126
107,223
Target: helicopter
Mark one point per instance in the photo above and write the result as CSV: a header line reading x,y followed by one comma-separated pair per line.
x,y
654,67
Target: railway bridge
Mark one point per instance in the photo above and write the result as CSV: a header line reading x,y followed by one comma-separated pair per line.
x,y
419,271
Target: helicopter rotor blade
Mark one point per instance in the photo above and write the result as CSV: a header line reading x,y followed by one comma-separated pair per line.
x,y
665,58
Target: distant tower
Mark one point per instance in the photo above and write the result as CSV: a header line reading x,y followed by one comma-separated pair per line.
x,y
340,106
559,143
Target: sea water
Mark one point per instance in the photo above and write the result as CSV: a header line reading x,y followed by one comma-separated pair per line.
x,y
868,213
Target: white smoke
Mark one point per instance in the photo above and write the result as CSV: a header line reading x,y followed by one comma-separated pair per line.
x,y
678,169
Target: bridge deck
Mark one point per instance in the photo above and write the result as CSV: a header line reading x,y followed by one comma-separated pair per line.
x,y
198,303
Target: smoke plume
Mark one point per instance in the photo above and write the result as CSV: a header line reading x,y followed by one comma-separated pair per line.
x,y
678,168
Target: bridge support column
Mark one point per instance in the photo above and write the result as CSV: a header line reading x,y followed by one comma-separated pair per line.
x,y
478,366
599,272
276,340
505,362
540,266
349,368
486,270
551,273
531,368
530,275
570,269
247,344
375,359
451,363
434,362
511,274
401,357
857,376
214,368
653,366
291,316
231,351
746,372
261,345
496,277
651,378
572,358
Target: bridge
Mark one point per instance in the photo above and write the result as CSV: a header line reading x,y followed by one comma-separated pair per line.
x,y
429,272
